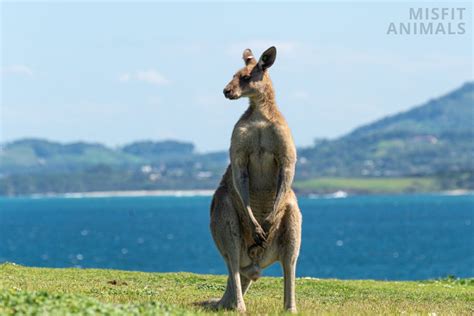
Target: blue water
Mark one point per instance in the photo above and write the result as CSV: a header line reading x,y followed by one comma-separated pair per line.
x,y
376,237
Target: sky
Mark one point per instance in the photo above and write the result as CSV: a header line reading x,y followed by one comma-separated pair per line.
x,y
117,72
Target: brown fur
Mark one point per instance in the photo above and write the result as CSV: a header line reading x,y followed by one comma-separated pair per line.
x,y
255,219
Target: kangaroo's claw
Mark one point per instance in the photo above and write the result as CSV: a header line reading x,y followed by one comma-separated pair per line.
x,y
259,236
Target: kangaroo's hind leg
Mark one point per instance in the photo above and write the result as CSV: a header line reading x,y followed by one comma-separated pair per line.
x,y
225,229
290,240
229,295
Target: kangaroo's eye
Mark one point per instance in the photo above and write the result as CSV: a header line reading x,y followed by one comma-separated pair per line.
x,y
246,78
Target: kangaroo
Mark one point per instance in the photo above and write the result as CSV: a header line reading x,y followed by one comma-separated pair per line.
x,y
255,218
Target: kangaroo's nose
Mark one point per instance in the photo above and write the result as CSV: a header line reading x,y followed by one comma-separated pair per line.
x,y
227,92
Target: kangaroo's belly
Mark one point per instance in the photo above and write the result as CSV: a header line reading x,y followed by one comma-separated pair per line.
x,y
263,178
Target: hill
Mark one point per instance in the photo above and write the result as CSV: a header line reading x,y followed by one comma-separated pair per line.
x,y
31,166
88,292
434,138
433,141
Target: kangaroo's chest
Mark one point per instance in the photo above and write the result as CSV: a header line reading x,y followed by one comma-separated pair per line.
x,y
257,139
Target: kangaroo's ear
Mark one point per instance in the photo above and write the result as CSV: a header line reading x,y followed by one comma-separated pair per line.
x,y
248,57
268,58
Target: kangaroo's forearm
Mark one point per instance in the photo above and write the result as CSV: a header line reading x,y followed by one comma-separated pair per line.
x,y
285,180
240,179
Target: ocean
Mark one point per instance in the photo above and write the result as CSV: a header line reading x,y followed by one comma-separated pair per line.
x,y
403,237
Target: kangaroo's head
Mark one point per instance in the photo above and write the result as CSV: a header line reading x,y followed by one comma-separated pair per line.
x,y
252,80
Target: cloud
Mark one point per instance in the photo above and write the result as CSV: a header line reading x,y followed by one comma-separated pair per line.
x,y
124,77
19,70
150,76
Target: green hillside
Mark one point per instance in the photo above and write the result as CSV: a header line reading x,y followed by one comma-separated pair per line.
x,y
369,185
433,141
33,155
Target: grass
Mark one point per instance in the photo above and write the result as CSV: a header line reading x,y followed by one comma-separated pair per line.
x,y
369,185
42,291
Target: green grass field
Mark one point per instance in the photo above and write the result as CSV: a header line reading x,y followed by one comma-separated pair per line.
x,y
39,291
369,185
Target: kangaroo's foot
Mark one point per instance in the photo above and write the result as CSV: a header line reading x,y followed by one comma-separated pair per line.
x,y
292,310
229,304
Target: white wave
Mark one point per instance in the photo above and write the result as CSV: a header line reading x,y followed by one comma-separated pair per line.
x,y
335,195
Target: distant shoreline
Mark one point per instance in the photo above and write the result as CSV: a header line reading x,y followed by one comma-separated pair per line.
x,y
131,193
206,193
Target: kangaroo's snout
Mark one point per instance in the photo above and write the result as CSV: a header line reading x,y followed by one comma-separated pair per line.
x,y
227,92
230,93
